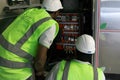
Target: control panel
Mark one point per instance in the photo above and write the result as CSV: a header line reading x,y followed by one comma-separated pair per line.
x,y
70,29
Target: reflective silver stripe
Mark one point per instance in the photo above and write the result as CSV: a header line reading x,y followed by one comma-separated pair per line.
x,y
13,64
95,73
52,75
31,30
66,70
15,50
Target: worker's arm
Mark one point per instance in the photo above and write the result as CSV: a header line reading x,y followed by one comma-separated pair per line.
x,y
40,59
45,41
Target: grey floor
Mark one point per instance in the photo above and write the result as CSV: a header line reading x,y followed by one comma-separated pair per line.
x,y
112,76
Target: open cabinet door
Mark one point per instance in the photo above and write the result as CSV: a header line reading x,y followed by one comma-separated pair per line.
x,y
109,42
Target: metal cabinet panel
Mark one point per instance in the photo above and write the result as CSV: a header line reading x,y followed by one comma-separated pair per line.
x,y
110,14
109,48
109,36
111,19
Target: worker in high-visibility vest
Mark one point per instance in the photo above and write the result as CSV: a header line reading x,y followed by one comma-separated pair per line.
x,y
28,37
74,69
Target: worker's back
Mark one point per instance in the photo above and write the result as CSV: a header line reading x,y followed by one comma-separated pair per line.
x,y
74,69
78,70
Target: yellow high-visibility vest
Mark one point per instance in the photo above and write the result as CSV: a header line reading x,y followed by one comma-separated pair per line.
x,y
18,43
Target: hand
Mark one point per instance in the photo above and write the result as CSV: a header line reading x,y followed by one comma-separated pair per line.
x,y
39,68
40,76
42,73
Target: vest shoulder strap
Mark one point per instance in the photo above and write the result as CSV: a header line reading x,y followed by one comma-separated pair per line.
x,y
66,70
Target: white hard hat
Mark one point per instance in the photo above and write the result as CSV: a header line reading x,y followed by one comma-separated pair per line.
x,y
52,5
85,44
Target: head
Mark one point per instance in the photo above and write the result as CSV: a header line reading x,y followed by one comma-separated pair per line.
x,y
85,44
52,6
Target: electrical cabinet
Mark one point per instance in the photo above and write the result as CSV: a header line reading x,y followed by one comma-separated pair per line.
x,y
70,29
